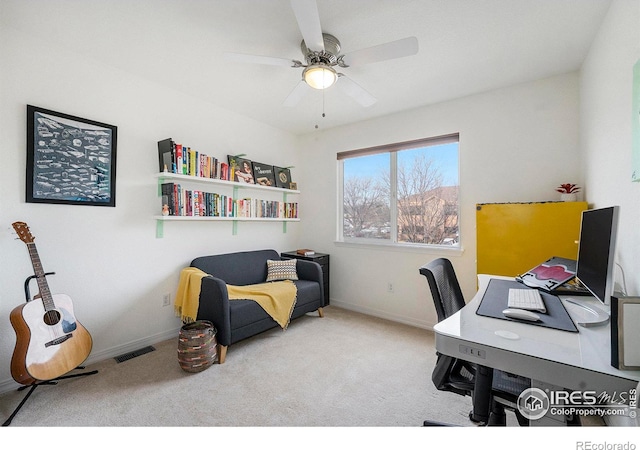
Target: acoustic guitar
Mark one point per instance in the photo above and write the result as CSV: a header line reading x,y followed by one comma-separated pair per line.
x,y
49,340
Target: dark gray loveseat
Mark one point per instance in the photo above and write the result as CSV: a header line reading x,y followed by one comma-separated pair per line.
x,y
239,319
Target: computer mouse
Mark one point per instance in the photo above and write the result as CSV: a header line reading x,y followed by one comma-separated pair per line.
x,y
521,314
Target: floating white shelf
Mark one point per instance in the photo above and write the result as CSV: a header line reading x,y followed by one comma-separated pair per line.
x,y
188,178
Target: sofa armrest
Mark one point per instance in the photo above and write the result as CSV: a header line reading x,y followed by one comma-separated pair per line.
x,y
311,271
214,307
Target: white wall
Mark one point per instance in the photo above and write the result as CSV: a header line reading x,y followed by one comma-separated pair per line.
x,y
108,259
516,145
605,131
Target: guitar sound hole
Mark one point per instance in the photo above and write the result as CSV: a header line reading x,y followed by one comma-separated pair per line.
x,y
51,317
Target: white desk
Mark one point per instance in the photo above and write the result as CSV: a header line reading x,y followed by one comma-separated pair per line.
x,y
575,361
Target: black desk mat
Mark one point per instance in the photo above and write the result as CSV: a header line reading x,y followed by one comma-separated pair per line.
x,y
496,297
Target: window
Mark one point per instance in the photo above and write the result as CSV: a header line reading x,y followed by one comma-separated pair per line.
x,y
405,193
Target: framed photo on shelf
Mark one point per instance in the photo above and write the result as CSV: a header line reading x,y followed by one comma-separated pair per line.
x,y
70,160
283,177
263,174
241,169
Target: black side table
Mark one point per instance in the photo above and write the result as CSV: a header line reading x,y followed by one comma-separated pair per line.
x,y
320,258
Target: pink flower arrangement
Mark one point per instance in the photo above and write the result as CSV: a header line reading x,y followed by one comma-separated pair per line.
x,y
568,188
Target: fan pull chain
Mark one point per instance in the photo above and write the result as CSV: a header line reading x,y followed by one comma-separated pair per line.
x,y
323,114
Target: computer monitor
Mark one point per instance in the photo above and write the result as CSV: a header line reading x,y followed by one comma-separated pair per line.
x,y
596,251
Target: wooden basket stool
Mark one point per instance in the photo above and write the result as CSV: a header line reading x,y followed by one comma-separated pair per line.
x,y
197,346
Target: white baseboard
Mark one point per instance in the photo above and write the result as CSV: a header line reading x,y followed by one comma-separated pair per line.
x,y
94,357
383,315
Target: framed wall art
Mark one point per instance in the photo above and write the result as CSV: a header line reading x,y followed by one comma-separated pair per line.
x,y
241,168
70,160
263,174
283,177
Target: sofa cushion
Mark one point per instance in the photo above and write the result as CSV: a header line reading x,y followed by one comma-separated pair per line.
x,y
308,291
246,312
281,270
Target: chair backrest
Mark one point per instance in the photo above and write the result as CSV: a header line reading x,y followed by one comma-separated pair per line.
x,y
445,289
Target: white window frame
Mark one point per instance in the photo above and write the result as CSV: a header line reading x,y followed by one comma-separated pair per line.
x,y
392,149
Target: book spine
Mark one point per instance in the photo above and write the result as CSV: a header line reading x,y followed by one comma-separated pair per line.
x,y
224,171
173,157
185,166
203,166
178,158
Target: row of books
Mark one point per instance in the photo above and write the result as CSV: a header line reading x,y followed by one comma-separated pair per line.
x,y
180,159
183,160
177,201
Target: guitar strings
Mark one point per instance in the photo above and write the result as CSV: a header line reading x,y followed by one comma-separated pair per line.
x,y
51,317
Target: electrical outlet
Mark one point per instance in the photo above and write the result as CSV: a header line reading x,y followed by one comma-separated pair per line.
x,y
389,287
166,300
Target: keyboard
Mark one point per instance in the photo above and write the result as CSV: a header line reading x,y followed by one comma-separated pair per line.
x,y
529,299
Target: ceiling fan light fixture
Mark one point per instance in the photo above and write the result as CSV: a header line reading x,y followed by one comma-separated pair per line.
x,y
319,76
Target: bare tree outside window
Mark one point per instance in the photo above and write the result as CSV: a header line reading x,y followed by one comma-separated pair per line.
x,y
366,207
422,196
426,208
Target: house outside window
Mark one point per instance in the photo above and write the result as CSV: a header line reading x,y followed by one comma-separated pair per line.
x,y
401,194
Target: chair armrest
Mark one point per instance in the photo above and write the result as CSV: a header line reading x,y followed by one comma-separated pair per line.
x,y
214,307
310,271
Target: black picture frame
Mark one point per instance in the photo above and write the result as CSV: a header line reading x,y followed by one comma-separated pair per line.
x,y
242,169
263,174
70,160
283,177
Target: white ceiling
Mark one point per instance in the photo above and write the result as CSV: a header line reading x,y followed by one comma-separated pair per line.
x,y
465,47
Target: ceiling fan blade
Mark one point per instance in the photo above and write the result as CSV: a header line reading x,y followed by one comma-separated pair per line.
x,y
355,91
306,12
297,94
255,59
390,50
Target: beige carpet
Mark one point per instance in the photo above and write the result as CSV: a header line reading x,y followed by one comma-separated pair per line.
x,y
343,370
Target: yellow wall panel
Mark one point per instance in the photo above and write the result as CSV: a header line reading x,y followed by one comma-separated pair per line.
x,y
514,237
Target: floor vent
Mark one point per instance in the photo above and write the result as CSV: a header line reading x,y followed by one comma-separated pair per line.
x,y
133,354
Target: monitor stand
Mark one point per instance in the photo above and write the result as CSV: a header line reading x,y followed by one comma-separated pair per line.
x,y
592,317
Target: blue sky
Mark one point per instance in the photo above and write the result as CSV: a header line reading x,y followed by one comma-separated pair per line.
x,y
445,157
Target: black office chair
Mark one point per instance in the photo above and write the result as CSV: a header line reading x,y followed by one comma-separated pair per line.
x,y
491,391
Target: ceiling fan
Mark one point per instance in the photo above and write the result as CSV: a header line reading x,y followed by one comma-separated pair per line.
x,y
321,52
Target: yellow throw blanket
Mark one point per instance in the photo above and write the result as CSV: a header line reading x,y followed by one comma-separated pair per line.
x,y
277,298
188,295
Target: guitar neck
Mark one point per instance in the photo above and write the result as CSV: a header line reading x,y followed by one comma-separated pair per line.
x,y
43,286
